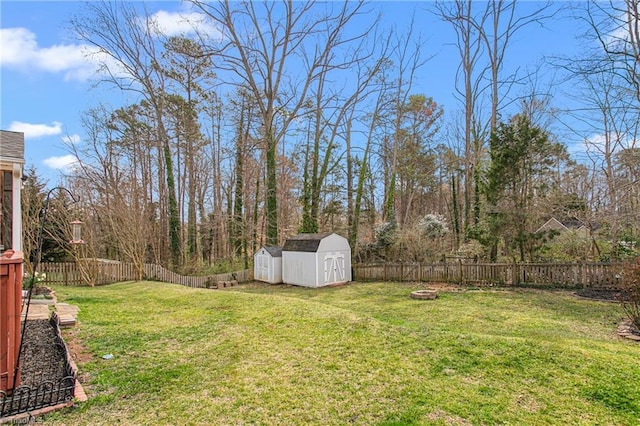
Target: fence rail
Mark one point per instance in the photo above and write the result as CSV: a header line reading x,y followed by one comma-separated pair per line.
x,y
598,276
69,273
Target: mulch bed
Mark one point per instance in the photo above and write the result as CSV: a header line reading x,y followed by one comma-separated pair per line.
x,y
626,328
42,359
608,295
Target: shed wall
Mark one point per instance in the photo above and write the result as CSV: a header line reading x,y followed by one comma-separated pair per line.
x,y
333,242
267,268
334,255
329,264
300,268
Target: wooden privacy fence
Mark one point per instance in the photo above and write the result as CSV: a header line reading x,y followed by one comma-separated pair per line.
x,y
69,273
600,276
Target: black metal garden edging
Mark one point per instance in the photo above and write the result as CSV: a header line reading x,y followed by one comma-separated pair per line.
x,y
48,393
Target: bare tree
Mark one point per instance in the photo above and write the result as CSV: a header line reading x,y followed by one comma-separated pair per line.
x,y
615,25
112,175
129,51
193,76
331,114
408,59
483,35
32,200
470,74
607,72
261,42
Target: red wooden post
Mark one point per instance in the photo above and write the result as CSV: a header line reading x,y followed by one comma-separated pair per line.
x,y
10,304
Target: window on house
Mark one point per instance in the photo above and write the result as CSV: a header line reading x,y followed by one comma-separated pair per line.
x,y
6,207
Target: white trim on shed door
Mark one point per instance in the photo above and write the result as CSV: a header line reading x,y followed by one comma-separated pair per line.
x,y
263,267
334,271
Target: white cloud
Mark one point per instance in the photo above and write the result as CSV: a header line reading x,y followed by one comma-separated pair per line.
x,y
61,163
17,44
619,36
20,50
599,144
183,23
34,131
71,139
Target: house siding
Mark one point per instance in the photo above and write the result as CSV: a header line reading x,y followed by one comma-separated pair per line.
x,y
12,146
11,165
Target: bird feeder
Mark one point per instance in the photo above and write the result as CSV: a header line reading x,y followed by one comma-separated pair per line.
x,y
76,231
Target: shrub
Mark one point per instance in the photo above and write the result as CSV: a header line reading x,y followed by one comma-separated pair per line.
x,y
29,281
433,226
630,295
386,234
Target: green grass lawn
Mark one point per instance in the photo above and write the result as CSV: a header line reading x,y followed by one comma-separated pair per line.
x,y
362,354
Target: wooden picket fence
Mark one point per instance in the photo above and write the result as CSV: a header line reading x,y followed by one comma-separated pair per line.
x,y
68,273
599,276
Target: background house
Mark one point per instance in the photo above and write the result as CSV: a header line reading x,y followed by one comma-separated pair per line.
x,y
574,225
267,265
316,260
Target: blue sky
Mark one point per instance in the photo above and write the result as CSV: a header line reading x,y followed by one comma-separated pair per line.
x,y
46,85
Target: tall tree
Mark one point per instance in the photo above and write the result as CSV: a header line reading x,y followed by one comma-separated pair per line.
x,y
609,73
483,36
615,25
467,25
372,119
407,58
32,201
332,112
416,160
128,47
193,75
522,157
261,41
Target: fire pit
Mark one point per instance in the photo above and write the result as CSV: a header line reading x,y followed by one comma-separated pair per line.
x,y
424,294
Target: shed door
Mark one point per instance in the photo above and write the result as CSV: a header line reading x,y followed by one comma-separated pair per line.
x,y
334,268
263,268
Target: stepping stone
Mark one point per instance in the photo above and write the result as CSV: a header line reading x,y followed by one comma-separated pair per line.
x,y
67,320
37,312
67,314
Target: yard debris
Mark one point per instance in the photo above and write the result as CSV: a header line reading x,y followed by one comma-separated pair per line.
x,y
627,330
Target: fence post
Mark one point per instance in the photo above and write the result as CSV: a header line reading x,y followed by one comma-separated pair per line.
x,y
460,271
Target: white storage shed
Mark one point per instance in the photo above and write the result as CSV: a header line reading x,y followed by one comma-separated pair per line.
x,y
267,265
316,260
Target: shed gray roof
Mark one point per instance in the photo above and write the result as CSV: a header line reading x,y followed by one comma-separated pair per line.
x,y
12,145
274,251
304,242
